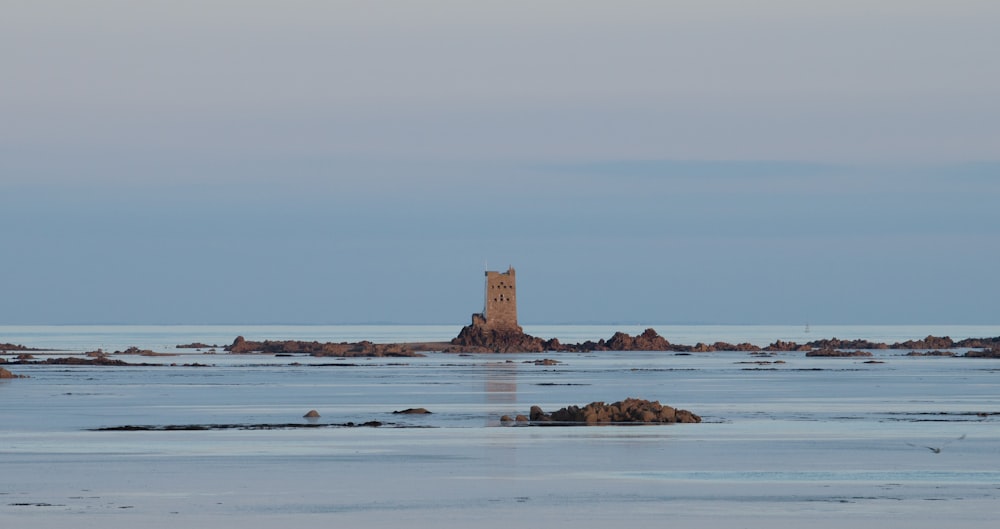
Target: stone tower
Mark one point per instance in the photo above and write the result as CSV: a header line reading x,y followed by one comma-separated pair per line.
x,y
500,312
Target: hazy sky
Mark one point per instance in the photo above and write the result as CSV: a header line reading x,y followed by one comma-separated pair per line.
x,y
713,161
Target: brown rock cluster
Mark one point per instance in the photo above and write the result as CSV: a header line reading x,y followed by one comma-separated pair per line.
x,y
476,339
4,347
628,411
833,353
989,352
7,374
196,345
543,362
780,346
413,411
96,360
482,339
834,343
649,340
479,339
344,349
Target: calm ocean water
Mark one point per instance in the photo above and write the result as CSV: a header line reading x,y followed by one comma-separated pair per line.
x,y
786,441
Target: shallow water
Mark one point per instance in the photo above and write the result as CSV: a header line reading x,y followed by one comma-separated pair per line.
x,y
824,442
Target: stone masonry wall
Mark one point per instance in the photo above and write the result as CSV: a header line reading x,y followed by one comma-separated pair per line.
x,y
501,301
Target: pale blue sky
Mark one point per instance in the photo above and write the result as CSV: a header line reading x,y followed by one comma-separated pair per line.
x,y
637,161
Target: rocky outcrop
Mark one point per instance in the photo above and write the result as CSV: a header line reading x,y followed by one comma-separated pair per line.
x,y
930,342
931,353
479,339
785,347
986,343
15,347
141,352
628,411
475,339
196,345
412,411
722,346
344,349
543,362
7,374
834,343
832,353
990,352
649,340
100,360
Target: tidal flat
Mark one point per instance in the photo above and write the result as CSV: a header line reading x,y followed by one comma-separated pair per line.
x,y
909,441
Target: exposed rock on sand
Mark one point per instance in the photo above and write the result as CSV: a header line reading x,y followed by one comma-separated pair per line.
x,y
630,410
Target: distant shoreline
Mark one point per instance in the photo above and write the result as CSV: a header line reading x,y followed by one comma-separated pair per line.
x,y
519,342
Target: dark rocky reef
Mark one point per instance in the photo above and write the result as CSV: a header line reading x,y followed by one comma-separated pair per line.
x,y
261,426
926,344
196,345
649,340
833,353
543,362
141,352
628,411
786,347
96,358
343,349
100,360
989,352
931,353
479,339
834,343
4,347
412,411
